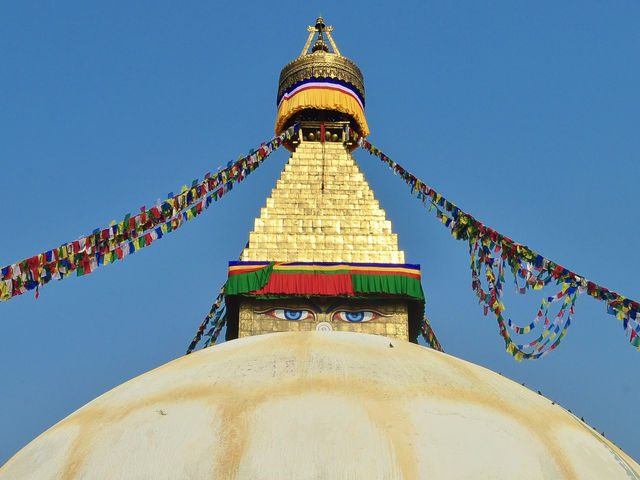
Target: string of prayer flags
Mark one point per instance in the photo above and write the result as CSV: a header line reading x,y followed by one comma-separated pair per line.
x,y
429,335
219,321
494,252
217,316
211,315
120,239
552,333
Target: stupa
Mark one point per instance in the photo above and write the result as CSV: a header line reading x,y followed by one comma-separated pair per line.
x,y
319,377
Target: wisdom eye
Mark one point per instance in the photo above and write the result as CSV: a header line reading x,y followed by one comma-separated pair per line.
x,y
361,316
286,314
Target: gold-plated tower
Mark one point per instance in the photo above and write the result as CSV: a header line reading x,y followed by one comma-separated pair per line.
x,y
322,215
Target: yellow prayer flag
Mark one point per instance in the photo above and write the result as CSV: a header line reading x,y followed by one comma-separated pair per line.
x,y
4,291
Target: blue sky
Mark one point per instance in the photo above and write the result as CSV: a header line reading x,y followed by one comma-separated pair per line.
x,y
523,114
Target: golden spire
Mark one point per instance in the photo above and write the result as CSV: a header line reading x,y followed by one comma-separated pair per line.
x,y
322,209
322,214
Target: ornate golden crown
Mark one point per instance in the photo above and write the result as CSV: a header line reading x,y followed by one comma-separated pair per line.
x,y
320,63
330,67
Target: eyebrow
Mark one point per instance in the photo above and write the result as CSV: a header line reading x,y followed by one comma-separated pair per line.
x,y
329,308
305,303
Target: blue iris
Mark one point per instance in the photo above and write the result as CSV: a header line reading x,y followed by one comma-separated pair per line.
x,y
354,316
293,314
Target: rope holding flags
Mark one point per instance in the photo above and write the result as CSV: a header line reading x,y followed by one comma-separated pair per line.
x,y
429,336
104,246
211,315
552,332
491,253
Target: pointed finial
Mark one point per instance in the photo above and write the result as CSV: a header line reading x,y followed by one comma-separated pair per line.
x,y
320,45
321,29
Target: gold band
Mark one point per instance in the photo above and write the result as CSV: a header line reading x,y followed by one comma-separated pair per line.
x,y
321,64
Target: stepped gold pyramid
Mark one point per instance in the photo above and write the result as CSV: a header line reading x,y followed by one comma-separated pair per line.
x,y
322,210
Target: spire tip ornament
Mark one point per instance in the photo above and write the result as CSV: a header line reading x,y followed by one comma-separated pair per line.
x,y
320,45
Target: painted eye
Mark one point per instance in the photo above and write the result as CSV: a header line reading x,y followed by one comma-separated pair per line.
x,y
362,316
286,314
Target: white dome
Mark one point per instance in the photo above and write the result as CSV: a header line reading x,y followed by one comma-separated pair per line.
x,y
309,405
